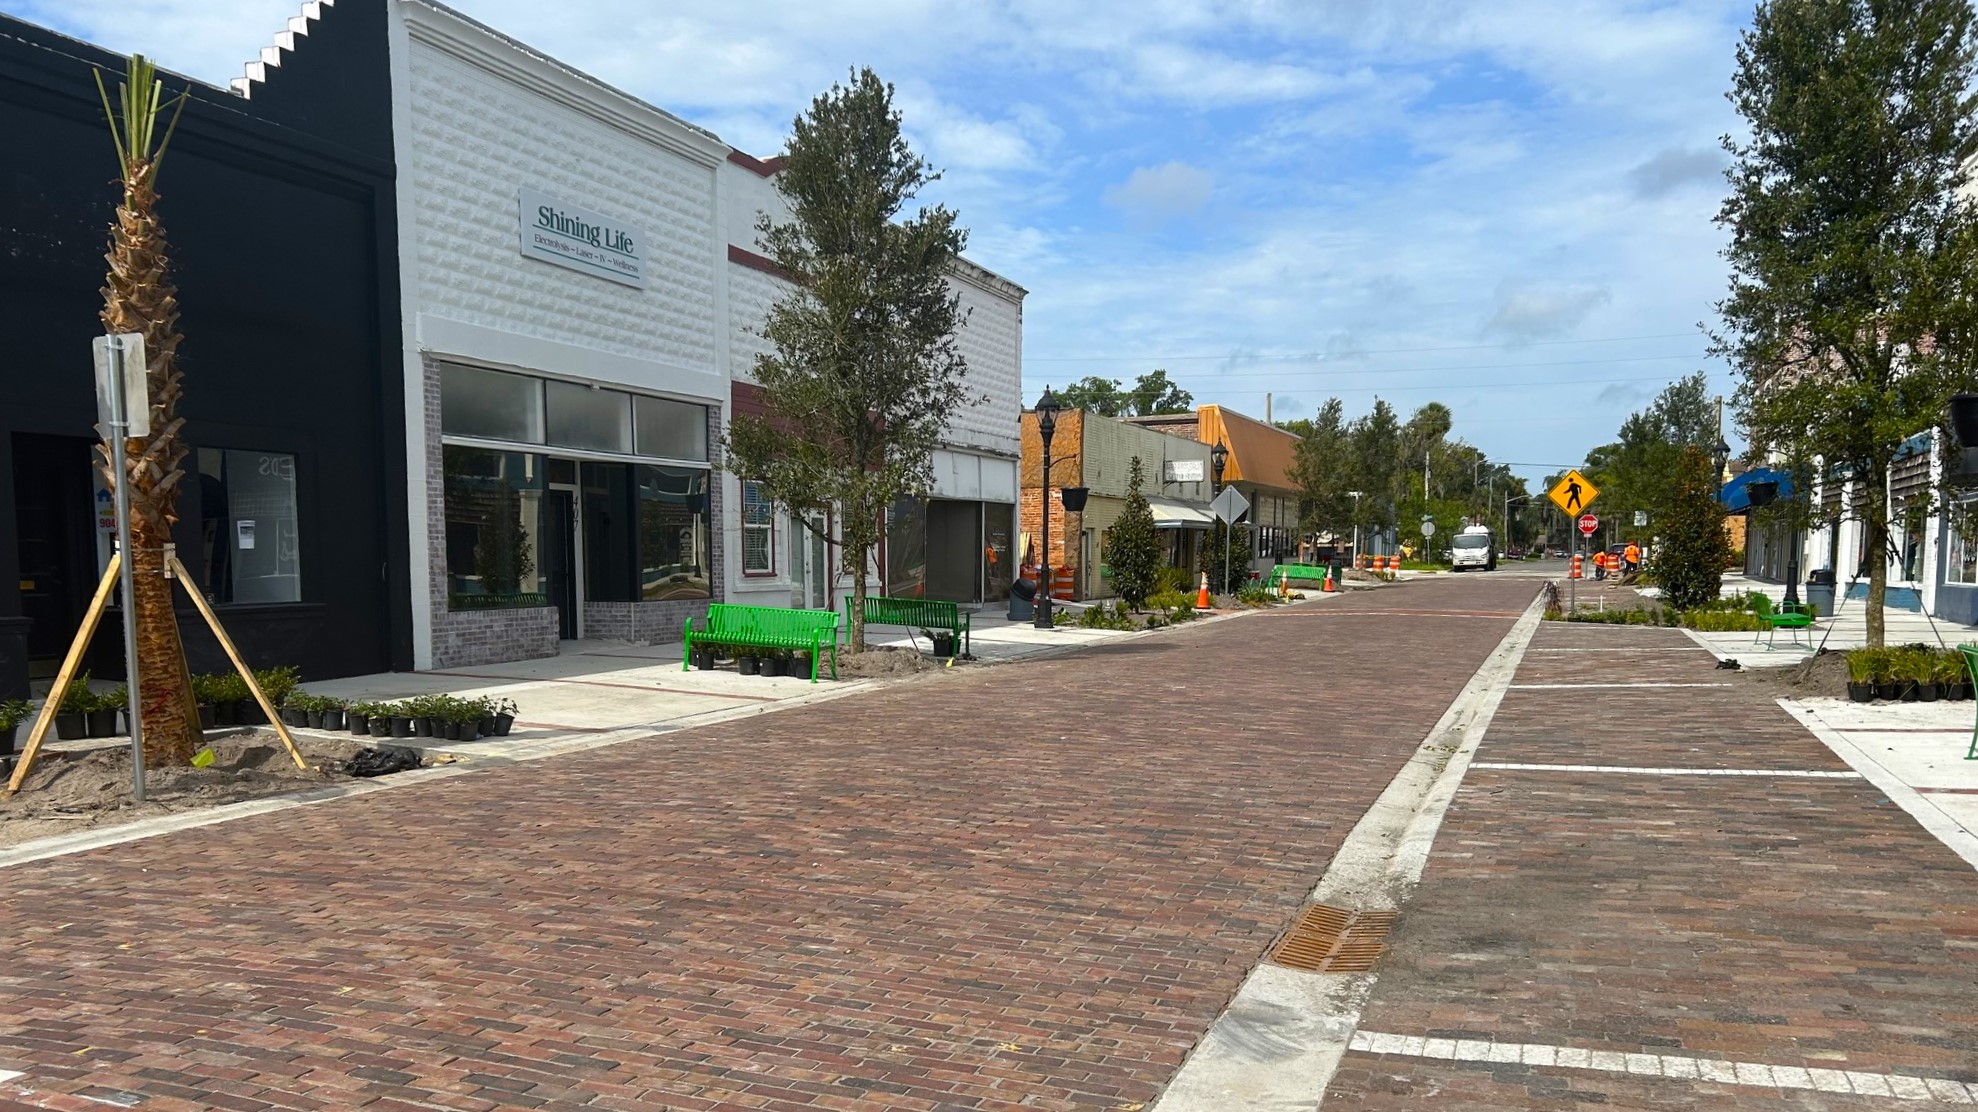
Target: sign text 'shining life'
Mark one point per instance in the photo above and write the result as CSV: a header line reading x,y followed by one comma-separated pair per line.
x,y
591,242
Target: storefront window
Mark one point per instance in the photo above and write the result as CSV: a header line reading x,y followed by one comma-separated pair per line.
x,y
609,524
758,531
998,549
494,524
669,429
674,553
906,549
249,529
1961,543
490,405
596,420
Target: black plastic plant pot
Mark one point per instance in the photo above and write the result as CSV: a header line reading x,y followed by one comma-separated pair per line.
x,y
1964,419
359,724
313,719
333,720
466,731
208,717
1861,692
7,739
226,714
103,723
71,725
450,730
401,725
1888,692
749,665
485,727
502,724
1926,692
422,727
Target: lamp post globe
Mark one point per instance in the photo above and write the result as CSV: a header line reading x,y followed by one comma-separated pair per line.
x,y
1218,459
1047,426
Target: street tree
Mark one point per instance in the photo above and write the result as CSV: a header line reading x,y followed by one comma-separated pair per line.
x,y
1690,560
1638,471
863,370
1132,545
1154,393
138,296
1850,314
1094,394
1322,466
1376,453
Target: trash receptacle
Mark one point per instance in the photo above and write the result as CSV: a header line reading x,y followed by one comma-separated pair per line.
x,y
1820,591
1339,573
1021,593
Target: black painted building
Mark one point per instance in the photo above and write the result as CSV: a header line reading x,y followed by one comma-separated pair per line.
x,y
281,216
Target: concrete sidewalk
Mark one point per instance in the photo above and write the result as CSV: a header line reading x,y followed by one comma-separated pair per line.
x,y
1847,630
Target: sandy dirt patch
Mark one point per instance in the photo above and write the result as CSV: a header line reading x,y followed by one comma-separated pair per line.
x,y
879,662
68,792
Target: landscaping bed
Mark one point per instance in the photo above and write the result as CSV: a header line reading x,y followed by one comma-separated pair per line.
x,y
72,791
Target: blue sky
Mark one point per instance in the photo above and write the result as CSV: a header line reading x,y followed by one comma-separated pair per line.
x,y
1502,205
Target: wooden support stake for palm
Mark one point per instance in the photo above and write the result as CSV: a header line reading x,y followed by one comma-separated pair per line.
x,y
67,675
233,654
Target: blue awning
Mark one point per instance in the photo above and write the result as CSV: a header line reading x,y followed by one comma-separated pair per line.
x,y
1737,498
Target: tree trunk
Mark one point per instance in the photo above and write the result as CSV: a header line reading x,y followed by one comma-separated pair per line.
x,y
139,297
1875,545
855,631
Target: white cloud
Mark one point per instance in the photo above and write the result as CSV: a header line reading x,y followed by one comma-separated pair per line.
x,y
1162,192
1543,310
1672,169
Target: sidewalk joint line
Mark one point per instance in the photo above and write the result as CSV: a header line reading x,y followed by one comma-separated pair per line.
x,y
1586,686
1649,771
1674,1067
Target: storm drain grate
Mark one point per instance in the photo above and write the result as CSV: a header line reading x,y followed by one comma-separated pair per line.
x,y
1329,939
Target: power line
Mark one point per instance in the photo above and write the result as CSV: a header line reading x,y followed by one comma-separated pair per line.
x,y
1458,388
1432,370
1349,354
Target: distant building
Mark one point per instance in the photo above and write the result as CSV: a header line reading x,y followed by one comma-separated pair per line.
x,y
1095,452
1259,465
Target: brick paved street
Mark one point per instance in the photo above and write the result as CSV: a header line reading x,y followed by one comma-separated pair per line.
x,y
1804,927
1032,885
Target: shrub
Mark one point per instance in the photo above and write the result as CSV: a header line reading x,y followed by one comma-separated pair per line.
x,y
1174,579
1690,562
276,683
1106,617
1255,594
13,712
1714,620
78,699
1177,607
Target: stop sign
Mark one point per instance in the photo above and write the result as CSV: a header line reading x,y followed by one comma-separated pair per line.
x,y
1588,523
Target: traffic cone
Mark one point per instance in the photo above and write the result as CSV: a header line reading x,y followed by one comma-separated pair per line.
x,y
1575,573
1202,594
1328,588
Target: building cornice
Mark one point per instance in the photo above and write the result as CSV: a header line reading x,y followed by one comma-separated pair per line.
x,y
462,37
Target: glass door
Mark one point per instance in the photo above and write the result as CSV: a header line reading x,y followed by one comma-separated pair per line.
x,y
810,565
563,565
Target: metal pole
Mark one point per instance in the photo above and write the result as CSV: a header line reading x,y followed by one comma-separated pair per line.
x,y
1042,618
119,423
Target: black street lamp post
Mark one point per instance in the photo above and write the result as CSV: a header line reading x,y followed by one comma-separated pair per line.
x,y
1047,424
1218,459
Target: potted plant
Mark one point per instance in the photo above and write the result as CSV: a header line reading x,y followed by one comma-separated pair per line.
x,y
775,662
465,723
229,694
748,663
485,710
205,689
1910,668
1950,675
504,717
331,712
102,712
1861,675
13,712
357,717
276,684
72,713
294,709
702,656
400,715
1886,687
942,640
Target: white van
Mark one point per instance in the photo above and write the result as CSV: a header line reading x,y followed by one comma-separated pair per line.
x,y
1474,547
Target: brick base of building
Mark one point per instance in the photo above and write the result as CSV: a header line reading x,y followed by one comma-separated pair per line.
x,y
495,636
642,622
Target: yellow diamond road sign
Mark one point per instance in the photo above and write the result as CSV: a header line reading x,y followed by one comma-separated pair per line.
x,y
1574,494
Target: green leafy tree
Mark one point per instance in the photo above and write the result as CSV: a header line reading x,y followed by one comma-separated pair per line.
x,y
1377,471
1689,561
1154,393
1850,315
1132,546
863,370
1223,576
1322,466
1094,395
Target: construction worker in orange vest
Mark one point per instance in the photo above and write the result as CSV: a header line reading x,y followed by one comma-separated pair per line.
x,y
1631,557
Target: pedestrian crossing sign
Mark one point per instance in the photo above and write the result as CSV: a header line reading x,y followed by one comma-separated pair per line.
x,y
1573,493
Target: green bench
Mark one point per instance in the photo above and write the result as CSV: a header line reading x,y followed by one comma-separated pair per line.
x,y
767,627
1970,655
1291,573
1790,616
915,613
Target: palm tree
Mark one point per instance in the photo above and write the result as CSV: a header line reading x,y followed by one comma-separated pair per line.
x,y
138,297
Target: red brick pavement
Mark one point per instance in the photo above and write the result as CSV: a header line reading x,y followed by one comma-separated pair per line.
x,y
1793,922
1029,885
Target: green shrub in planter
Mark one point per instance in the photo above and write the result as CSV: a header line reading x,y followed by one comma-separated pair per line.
x,y
1712,620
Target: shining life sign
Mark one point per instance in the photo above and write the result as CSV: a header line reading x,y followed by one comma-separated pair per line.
x,y
591,242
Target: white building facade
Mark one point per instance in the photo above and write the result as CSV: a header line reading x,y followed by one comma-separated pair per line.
x,y
581,297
